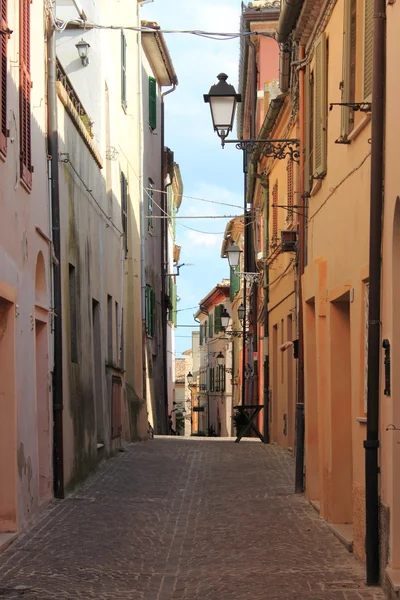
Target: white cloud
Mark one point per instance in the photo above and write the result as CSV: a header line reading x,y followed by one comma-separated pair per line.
x,y
207,240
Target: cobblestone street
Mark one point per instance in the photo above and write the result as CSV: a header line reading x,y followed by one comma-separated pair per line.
x,y
176,519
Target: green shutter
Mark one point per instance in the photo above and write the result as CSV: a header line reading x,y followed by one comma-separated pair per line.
x,y
210,326
201,334
217,318
235,282
123,70
147,308
152,102
222,377
174,305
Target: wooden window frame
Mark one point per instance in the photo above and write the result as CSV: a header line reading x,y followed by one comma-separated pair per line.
x,y
25,85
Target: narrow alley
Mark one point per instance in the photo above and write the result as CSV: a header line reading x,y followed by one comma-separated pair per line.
x,y
184,519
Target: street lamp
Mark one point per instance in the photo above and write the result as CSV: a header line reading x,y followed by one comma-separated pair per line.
x,y
189,378
220,359
241,313
223,98
83,51
225,318
233,253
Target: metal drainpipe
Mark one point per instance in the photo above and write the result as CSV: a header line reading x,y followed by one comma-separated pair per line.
x,y
52,138
164,258
299,471
371,444
266,321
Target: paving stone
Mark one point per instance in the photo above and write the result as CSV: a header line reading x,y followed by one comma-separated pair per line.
x,y
177,519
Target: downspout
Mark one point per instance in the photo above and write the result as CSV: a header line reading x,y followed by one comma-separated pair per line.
x,y
164,258
57,383
300,433
142,217
371,444
266,318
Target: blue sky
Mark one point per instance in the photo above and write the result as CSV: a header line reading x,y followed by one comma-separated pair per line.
x,y
207,171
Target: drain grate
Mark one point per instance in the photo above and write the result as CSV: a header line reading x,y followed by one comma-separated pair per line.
x,y
342,585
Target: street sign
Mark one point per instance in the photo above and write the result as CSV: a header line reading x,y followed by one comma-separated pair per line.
x,y
198,409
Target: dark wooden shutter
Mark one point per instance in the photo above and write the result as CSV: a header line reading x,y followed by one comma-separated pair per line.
x,y
217,318
222,378
274,237
201,334
3,76
147,309
290,192
123,71
25,92
124,209
210,326
152,312
152,102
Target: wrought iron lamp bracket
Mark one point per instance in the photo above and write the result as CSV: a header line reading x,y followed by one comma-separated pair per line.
x,y
249,277
356,106
236,333
274,148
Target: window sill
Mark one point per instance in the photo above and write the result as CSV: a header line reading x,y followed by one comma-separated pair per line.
x,y
317,184
361,420
359,128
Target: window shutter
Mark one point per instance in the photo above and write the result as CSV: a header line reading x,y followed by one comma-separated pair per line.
x,y
235,282
274,238
222,378
368,47
147,309
3,77
210,326
124,209
320,107
150,205
349,66
201,334
217,379
308,128
153,312
152,102
123,71
217,318
290,192
25,92
174,306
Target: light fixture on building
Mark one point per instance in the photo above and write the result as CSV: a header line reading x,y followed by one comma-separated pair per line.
x,y
225,316
83,51
189,378
220,359
222,99
233,254
241,313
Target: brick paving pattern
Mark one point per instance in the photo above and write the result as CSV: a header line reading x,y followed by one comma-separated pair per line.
x,y
176,519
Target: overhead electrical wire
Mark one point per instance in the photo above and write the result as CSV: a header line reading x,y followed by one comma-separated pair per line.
x,y
197,198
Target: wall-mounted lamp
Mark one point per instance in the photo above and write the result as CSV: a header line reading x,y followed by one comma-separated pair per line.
x,y
83,51
220,359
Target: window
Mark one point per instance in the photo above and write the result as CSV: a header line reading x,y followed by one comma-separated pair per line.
x,y
150,205
220,379
124,209
25,93
109,330
290,193
73,315
211,379
123,71
349,67
150,311
368,48
217,318
117,346
320,107
366,332
274,236
3,77
234,282
201,334
152,103
173,299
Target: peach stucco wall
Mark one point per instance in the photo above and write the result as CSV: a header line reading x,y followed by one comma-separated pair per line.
x,y
334,305
389,405
24,353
